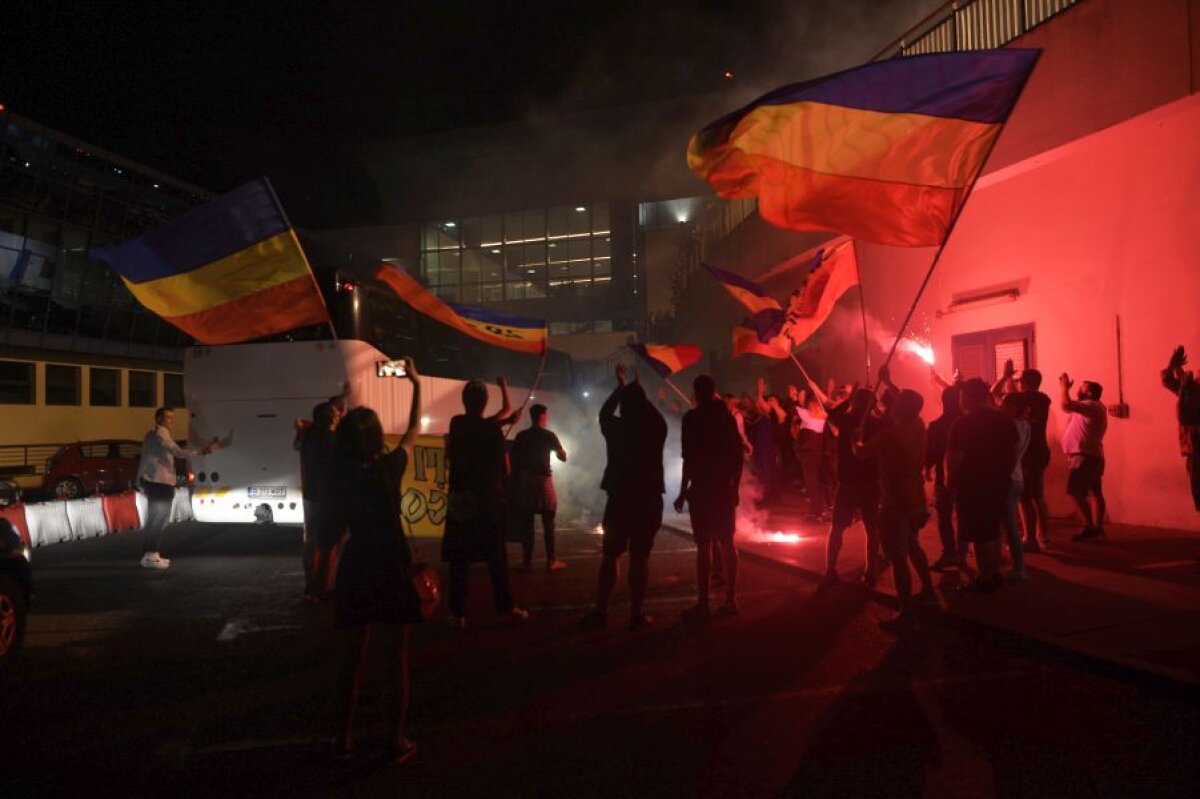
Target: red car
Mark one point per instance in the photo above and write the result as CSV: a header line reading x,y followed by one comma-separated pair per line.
x,y
91,467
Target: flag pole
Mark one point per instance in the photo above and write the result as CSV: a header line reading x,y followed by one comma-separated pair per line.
x,y
862,307
292,232
949,231
537,378
677,390
816,389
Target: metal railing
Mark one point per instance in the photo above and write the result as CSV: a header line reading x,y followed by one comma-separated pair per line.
x,y
18,460
974,25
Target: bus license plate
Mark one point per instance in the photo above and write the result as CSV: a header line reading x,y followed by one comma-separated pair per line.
x,y
267,491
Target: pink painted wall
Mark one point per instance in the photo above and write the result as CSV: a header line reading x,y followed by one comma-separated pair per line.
x,y
1108,224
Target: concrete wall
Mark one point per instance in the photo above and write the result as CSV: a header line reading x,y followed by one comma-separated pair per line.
x,y
1105,225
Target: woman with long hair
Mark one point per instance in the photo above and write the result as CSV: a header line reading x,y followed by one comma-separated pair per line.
x,y
373,590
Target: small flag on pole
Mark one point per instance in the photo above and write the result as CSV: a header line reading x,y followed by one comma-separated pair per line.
x,y
766,314
885,152
511,332
227,271
667,359
834,271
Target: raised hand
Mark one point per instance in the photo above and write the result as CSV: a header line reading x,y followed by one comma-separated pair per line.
x,y
622,370
1009,369
1065,381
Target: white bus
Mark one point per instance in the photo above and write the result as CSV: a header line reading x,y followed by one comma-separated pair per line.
x,y
248,396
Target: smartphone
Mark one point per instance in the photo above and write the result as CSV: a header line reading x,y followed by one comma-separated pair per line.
x,y
391,369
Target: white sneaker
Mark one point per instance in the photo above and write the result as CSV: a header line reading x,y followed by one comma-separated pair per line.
x,y
153,560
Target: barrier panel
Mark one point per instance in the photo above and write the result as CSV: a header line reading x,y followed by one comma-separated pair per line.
x,y
86,517
143,507
16,515
48,523
121,511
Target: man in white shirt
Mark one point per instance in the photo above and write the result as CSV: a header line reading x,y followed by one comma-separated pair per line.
x,y
156,476
1083,444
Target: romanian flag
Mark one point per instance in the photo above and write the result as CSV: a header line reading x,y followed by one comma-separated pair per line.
x,y
511,332
667,359
227,271
746,341
834,271
885,152
766,314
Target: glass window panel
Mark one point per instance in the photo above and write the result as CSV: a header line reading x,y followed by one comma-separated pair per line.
x,y
534,224
492,292
145,328
143,389
580,220
54,198
603,266
429,236
600,217
558,221
8,264
472,266
535,255
82,209
493,265
581,268
173,395
602,326
579,250
111,217
448,266
470,292
429,267
62,384
448,292
120,324
513,229
472,232
492,231
601,246
105,388
17,382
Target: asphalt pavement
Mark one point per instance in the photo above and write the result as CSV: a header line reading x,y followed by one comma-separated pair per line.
x,y
212,679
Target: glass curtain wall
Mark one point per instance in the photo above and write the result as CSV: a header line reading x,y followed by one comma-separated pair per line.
x,y
541,254
55,205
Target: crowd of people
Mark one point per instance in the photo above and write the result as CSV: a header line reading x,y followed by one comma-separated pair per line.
x,y
858,453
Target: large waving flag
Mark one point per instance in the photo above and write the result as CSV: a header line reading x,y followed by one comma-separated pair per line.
x,y
766,314
511,332
885,152
667,359
227,271
834,271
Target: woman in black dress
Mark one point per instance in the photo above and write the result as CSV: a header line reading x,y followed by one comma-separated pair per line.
x,y
373,592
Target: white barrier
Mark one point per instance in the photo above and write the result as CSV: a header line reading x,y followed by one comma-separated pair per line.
x,y
47,523
143,505
86,517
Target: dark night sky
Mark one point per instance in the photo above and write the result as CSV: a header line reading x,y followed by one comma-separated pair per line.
x,y
216,93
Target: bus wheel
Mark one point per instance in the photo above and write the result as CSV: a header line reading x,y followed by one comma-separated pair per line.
x,y
68,488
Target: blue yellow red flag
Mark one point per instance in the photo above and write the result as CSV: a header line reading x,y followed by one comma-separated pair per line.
x,y
766,314
501,330
833,271
227,271
667,359
885,152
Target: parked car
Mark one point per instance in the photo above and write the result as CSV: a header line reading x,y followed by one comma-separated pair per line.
x,y
92,467
16,587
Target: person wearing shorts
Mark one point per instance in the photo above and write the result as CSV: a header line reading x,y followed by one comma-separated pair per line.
x,y
633,478
1083,444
